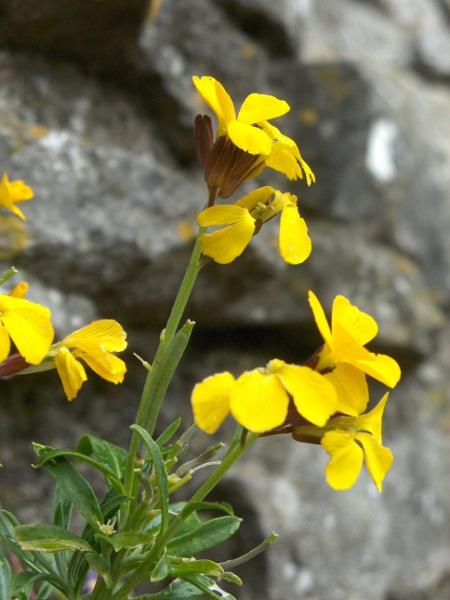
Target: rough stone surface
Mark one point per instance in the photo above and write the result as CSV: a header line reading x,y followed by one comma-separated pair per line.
x,y
101,127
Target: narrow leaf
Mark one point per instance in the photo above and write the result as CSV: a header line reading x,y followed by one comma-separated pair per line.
x,y
100,566
162,569
160,471
196,567
5,578
168,433
127,539
49,538
206,536
74,484
111,456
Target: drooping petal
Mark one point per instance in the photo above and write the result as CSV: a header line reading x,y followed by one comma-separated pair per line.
x,y
319,317
295,244
358,324
352,391
378,458
215,96
380,367
30,330
346,459
259,402
248,138
71,372
211,401
283,161
106,365
314,397
105,333
227,244
261,107
371,421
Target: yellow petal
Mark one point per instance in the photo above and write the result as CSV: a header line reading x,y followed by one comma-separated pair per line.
x,y
19,291
261,107
259,402
371,421
71,372
5,342
358,324
346,459
13,192
282,160
211,401
319,317
105,333
378,458
215,96
381,367
350,384
295,244
225,214
106,365
314,396
227,244
248,138
31,331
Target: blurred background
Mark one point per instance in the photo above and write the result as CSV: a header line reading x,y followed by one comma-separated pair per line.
x,y
96,112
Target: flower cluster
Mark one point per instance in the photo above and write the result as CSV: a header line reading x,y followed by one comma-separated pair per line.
x,y
29,327
320,401
244,145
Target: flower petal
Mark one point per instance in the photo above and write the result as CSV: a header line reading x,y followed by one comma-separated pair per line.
x,y
215,96
5,342
255,197
71,372
358,324
350,384
319,317
225,214
211,401
106,365
371,421
259,402
227,244
261,107
30,330
346,459
378,458
105,333
295,244
248,138
314,396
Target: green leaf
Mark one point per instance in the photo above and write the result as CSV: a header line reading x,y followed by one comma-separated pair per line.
x,y
62,508
160,471
74,484
111,456
177,590
206,536
7,523
49,538
100,566
127,539
168,433
196,567
209,586
162,569
5,578
23,580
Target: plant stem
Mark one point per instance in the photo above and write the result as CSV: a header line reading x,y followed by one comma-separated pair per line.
x,y
146,417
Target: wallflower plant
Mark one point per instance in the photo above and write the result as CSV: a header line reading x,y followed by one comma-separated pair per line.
x,y
134,531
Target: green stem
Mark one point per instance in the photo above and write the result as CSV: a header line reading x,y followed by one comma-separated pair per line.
x,y
9,273
146,417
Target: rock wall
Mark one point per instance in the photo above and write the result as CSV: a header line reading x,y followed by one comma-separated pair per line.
x,y
96,110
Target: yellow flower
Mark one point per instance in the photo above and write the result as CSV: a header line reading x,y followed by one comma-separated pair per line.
x,y
246,217
27,324
12,192
251,132
350,330
259,399
94,344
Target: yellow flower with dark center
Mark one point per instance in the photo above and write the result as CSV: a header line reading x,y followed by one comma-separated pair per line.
x,y
12,192
94,344
251,131
350,330
25,323
259,399
246,217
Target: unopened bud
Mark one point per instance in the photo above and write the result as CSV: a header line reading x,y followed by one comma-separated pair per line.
x,y
203,138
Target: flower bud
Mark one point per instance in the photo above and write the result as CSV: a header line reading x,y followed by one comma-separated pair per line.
x,y
203,138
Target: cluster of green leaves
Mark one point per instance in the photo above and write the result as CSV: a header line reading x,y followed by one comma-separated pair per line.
x,y
154,540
